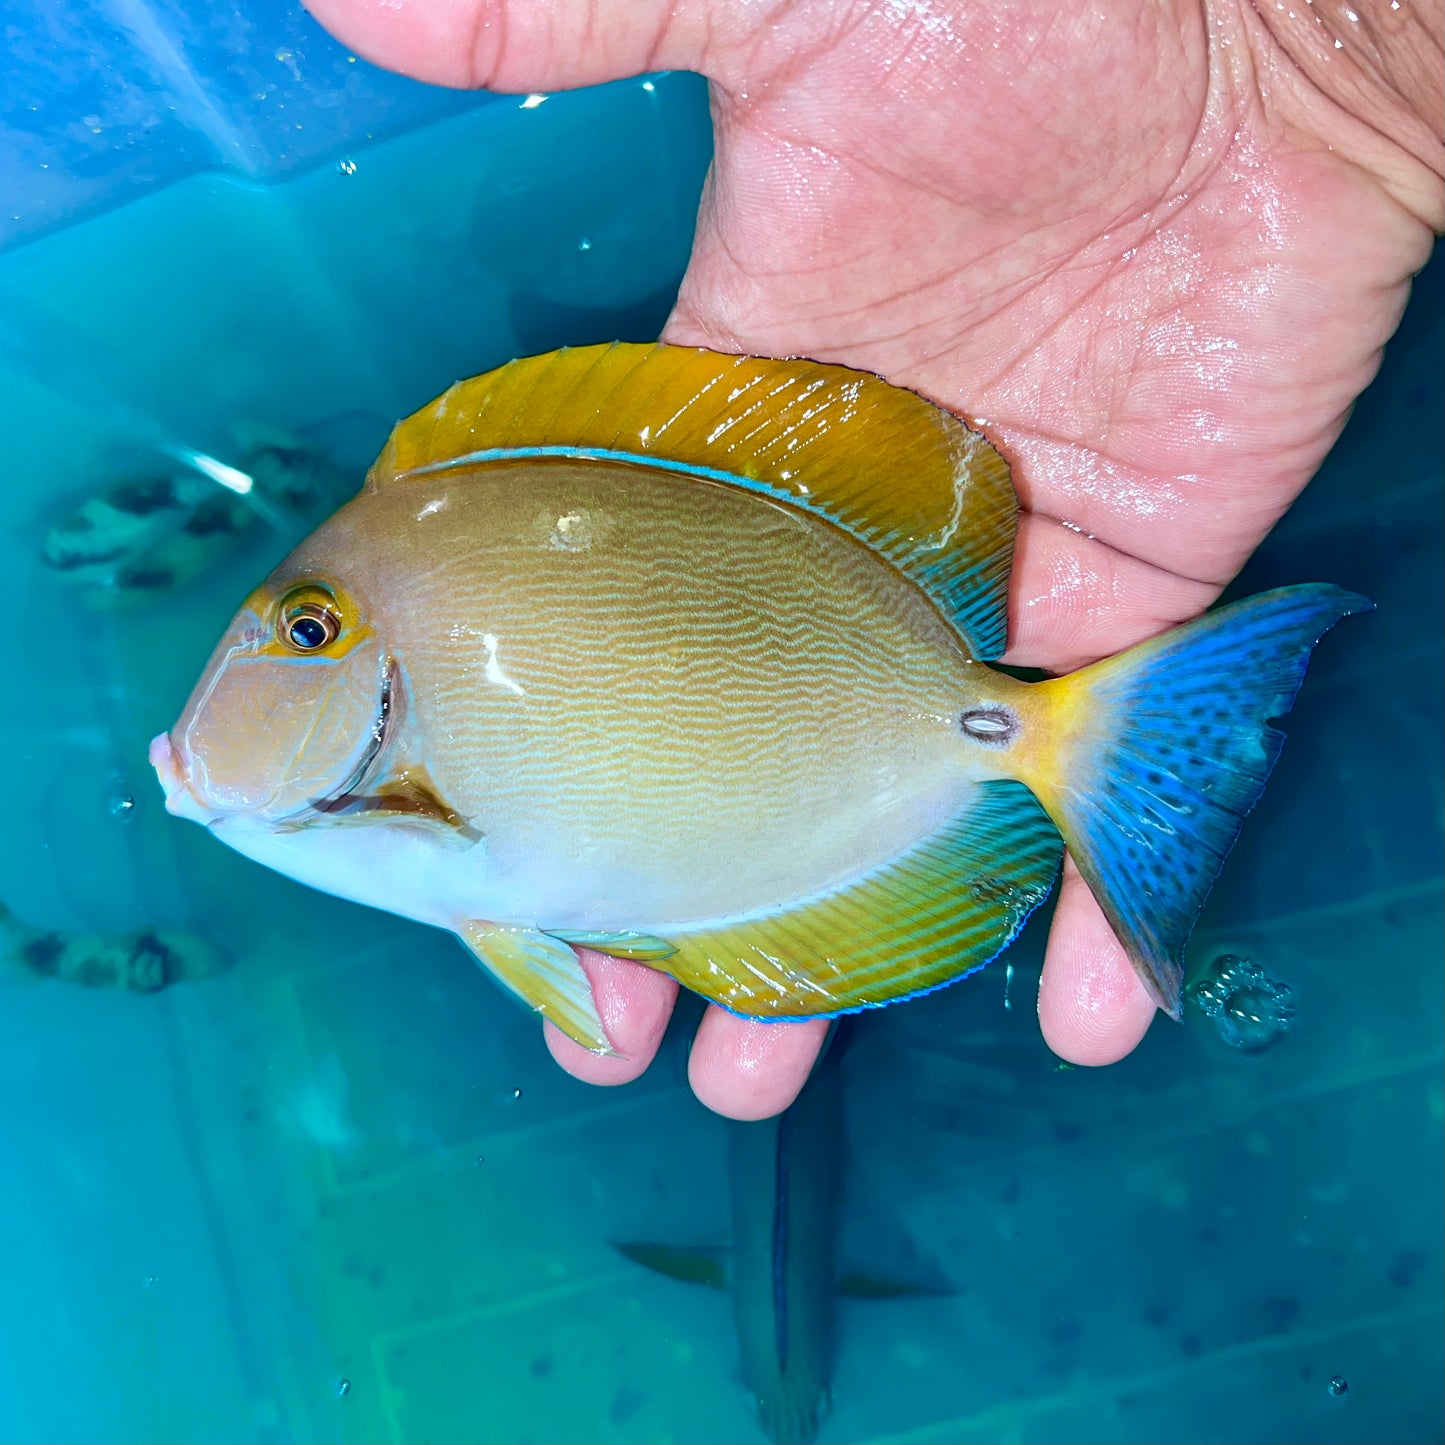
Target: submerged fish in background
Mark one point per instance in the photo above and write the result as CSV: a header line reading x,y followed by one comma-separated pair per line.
x,y
142,540
144,962
678,656
785,1179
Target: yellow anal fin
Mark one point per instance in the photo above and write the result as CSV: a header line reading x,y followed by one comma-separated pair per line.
x,y
885,465
934,914
545,974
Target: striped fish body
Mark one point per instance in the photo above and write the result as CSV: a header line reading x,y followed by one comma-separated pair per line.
x,y
682,657
659,704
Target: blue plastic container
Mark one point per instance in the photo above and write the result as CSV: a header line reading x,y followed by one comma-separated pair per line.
x,y
338,1191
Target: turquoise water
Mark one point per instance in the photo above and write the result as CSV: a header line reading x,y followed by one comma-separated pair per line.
x,y
340,1193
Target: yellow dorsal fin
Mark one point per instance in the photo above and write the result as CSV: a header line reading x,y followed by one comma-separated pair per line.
x,y
892,469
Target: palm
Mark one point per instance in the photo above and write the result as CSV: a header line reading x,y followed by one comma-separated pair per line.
x,y
1063,230
1086,231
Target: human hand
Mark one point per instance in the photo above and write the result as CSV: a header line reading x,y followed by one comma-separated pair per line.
x,y
1155,252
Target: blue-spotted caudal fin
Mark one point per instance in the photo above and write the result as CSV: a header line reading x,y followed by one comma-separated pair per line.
x,y
1153,758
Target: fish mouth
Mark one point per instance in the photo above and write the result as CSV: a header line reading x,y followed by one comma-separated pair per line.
x,y
181,802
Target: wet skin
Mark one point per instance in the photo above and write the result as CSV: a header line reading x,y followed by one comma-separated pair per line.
x,y
1156,252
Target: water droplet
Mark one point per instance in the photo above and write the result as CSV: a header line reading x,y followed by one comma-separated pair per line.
x,y
346,166
122,805
1249,1010
585,244
1338,1386
343,1388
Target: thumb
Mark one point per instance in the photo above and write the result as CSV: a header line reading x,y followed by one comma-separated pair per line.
x,y
521,45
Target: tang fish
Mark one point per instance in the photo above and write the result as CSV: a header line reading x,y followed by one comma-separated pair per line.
x,y
143,962
683,657
139,541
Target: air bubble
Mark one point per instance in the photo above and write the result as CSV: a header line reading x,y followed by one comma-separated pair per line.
x,y
343,1388
1249,1010
1338,1387
346,167
122,805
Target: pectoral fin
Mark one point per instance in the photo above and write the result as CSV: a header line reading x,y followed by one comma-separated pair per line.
x,y
545,973
407,791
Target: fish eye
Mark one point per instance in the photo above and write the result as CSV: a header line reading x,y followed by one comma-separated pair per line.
x,y
308,620
310,628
